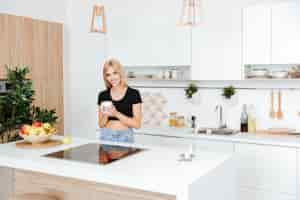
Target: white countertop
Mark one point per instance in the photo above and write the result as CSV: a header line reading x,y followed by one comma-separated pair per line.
x,y
156,170
291,141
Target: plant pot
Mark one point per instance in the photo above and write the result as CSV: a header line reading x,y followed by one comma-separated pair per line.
x,y
9,136
232,101
195,100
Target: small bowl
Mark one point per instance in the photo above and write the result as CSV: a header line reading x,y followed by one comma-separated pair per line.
x,y
279,74
258,72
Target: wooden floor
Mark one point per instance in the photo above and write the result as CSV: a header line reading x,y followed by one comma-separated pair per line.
x,y
72,189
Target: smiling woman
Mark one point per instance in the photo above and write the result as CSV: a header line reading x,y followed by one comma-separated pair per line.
x,y
119,105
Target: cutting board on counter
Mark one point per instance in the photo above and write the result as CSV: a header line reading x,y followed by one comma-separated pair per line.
x,y
47,144
277,131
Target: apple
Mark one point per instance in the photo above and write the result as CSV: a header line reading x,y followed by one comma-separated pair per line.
x,y
25,129
37,124
67,140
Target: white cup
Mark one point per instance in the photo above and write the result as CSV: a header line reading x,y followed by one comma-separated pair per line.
x,y
105,106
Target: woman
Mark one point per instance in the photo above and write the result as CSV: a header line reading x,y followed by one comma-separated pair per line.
x,y
125,113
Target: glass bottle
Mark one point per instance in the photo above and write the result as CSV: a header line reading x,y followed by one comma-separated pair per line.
x,y
244,119
251,119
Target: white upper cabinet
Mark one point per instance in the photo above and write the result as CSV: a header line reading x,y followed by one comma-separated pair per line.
x,y
147,33
271,33
256,34
217,41
286,32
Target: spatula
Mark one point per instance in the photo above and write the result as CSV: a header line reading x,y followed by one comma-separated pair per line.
x,y
272,111
279,112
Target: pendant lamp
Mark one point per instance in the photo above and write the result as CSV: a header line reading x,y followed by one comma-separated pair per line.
x,y
190,15
98,19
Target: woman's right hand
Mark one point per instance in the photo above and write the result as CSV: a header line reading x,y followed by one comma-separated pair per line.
x,y
102,118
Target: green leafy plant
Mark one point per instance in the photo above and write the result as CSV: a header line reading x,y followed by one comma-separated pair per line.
x,y
228,92
190,90
44,115
16,107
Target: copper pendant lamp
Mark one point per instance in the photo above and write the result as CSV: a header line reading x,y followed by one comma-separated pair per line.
x,y
190,15
98,19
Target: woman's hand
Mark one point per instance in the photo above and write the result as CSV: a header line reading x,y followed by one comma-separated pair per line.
x,y
113,111
102,118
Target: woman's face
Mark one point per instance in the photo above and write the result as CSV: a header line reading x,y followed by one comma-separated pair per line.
x,y
113,77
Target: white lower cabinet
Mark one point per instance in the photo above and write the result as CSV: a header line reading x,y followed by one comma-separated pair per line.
x,y
255,194
298,174
266,172
6,183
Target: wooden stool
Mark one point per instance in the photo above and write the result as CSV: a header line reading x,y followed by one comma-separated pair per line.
x,y
34,196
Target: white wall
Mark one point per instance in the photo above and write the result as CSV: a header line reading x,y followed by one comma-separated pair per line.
x,y
203,106
53,10
83,70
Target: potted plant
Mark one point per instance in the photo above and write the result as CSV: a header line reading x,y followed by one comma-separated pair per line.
x,y
190,90
228,92
16,107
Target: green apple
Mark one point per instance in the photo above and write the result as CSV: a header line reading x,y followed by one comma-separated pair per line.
x,y
67,140
46,126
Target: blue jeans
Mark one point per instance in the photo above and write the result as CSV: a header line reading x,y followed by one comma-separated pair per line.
x,y
126,136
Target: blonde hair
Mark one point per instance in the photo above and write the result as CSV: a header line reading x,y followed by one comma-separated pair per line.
x,y
117,67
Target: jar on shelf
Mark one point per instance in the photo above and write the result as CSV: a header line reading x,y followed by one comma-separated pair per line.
x,y
174,74
180,121
173,119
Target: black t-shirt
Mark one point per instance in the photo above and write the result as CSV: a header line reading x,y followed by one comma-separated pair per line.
x,y
124,105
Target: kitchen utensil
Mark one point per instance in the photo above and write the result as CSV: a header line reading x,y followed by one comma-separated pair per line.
x,y
279,112
280,131
47,144
276,131
272,111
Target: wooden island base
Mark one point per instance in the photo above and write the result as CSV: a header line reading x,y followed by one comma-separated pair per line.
x,y
73,189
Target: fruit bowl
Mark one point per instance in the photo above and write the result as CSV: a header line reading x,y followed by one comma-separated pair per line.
x,y
35,139
37,132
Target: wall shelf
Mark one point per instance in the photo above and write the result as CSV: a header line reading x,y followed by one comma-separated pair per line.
x,y
252,84
272,71
158,73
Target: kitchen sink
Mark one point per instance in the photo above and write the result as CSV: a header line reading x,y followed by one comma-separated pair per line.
x,y
216,131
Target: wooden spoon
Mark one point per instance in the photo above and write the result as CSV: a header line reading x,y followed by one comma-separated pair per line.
x,y
272,111
279,112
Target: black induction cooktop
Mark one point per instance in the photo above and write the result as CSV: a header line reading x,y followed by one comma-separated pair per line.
x,y
95,153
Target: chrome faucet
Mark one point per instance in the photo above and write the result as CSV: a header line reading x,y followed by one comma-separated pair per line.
x,y
221,124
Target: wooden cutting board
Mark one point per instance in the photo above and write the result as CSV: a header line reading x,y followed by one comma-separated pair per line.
x,y
275,131
47,144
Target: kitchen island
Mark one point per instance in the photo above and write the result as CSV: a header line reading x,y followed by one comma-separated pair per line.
x,y
153,174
